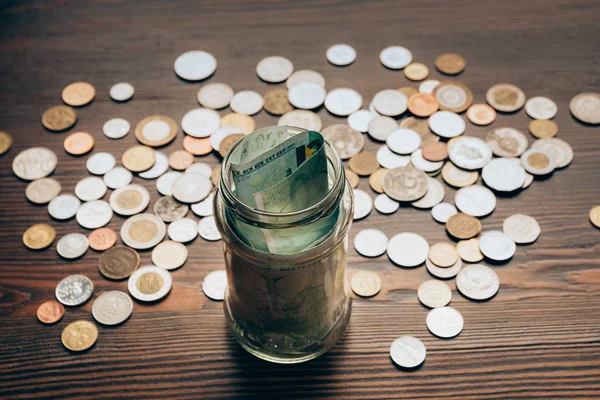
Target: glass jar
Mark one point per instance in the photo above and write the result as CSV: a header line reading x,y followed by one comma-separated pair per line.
x,y
287,308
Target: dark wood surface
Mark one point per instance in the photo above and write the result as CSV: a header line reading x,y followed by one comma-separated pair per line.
x,y
538,338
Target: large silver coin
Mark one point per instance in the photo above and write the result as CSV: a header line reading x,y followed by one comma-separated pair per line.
x,y
343,101
408,249
445,322
64,206
586,107
521,228
247,102
94,214
74,290
469,152
100,163
370,242
191,187
90,188
195,65
503,175
72,245
117,177
475,200
497,245
112,308
274,69
215,95
408,352
34,163
477,282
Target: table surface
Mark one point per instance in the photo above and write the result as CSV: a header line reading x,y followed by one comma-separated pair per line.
x,y
538,338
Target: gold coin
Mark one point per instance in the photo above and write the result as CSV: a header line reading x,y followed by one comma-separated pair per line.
x,y
595,216
78,94
376,180
118,262
353,179
416,71
78,143
364,163
450,63
538,160
365,283
244,122
443,254
216,174
79,335
39,236
458,177
228,143
149,283
5,142
59,118
408,90
180,160
463,226
138,158
156,130
468,250
276,102
543,128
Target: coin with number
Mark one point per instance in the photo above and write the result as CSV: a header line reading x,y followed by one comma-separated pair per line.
x,y
370,242
408,352
72,245
408,249
169,255
434,293
405,183
79,335
150,283
445,322
74,290
118,262
112,308
143,231
477,282
214,285
521,228
50,312
366,283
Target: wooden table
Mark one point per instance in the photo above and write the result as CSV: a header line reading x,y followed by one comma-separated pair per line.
x,y
538,338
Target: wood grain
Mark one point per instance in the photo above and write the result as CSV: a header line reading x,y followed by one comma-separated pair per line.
x,y
538,338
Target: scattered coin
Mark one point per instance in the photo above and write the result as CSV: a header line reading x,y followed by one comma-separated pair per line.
x,y
246,102
191,187
143,231
169,255
306,95
443,273
180,160
245,123
416,71
94,214
305,75
72,245
207,228
164,184
5,142
453,96
129,200
343,101
417,160
59,118
366,283
385,205
199,123
78,94
468,250
116,128
274,69
433,293
195,65
79,335
390,102
475,200
422,104
118,262
463,226
50,312
214,285
505,97
405,183
204,208
102,239
150,283
117,177
376,180
370,242
443,211
541,108
521,228
594,216
90,188
559,150
183,230
528,180
408,352
363,204
197,147
223,133
276,101
352,178
481,114
457,177
543,128
112,308
435,194
169,209
477,282
443,254
156,130
445,322
360,120
74,290
381,127
586,107
227,144
395,57
403,141
408,249
538,162
341,54
346,141
138,158
39,236
447,124
122,91
42,191
507,142
34,163
469,152
302,119
390,160
215,95
450,63
63,207
100,163
497,245
421,126
428,86
434,151
364,163
503,175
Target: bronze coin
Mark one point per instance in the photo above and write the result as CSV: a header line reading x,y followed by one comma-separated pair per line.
x,y
78,143
78,94
102,239
364,163
376,180
79,335
353,179
481,114
543,128
50,311
196,146
59,118
435,151
450,64
180,160
229,142
118,262
408,90
138,158
244,122
422,104
276,102
463,226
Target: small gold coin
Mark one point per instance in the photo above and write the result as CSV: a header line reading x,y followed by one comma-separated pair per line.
x,y
364,163
5,142
376,180
228,143
468,250
443,254
59,118
156,130
78,143
543,128
450,64
244,122
365,283
79,335
434,293
416,71
353,179
463,226
408,90
595,216
39,236
78,94
180,160
276,102
138,158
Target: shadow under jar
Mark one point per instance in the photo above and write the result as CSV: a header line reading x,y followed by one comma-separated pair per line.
x,y
287,308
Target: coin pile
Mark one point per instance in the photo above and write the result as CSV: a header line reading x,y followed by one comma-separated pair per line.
x,y
429,141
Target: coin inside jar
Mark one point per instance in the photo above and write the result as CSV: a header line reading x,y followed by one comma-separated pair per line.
x,y
118,262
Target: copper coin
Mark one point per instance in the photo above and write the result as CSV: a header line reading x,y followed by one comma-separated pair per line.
x,y
59,118
102,239
50,311
78,94
543,128
276,102
180,160
422,104
364,163
463,226
376,180
156,130
5,142
353,179
408,90
138,158
229,142
244,122
450,63
196,146
78,143
481,114
118,262
435,151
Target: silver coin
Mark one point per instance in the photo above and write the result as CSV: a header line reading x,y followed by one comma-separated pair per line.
x,y
447,124
443,211
441,272
306,95
195,65
161,165
541,108
528,180
274,69
34,163
100,163
538,161
117,177
390,160
408,352
428,86
72,245
74,290
586,107
363,204
201,168
42,191
169,254
477,282
506,142
143,231
561,151
521,228
164,184
183,230
385,205
469,152
149,283
246,102
214,285
94,214
122,91
305,75
129,200
433,293
215,95
408,249
497,245
169,209
205,207
346,141
445,322
503,175
191,187
201,122
395,57
301,119
372,108
381,127
207,228
341,54
403,141
112,308
64,206
343,101
435,194
360,120
90,188
390,102
475,200
417,160
370,242
116,128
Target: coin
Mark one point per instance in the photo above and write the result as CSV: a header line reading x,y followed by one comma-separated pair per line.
x,y
443,254
94,214
541,108
408,352
183,230
341,54
343,101
538,162
207,228
364,163
156,130
405,183
428,86
199,123
422,104
34,163
457,177
164,184
223,133
395,57
469,152
481,114
403,141
59,118
79,335
507,142
215,95
445,322
390,160
521,228
559,150
5,142
416,71
450,63
118,177
129,200
90,188
169,209
216,175
276,101
274,69
78,94
197,147
363,204
381,127
74,290
417,160
180,160
594,216
305,75
42,191
50,312
122,91
195,65
468,250
586,107
453,96
421,126
100,163
116,128
503,175
346,141
463,226
63,207
542,128
505,97
433,293
39,236
138,158
72,245
205,207
301,119
443,211
475,200
143,231
528,180
191,187
305,95
435,151
112,308
352,178
366,283
376,180
435,194
443,273
118,262
390,102
497,245
408,249
244,122
169,255
477,282
447,124
200,168
102,239
246,102
385,205
370,242
360,120
214,285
